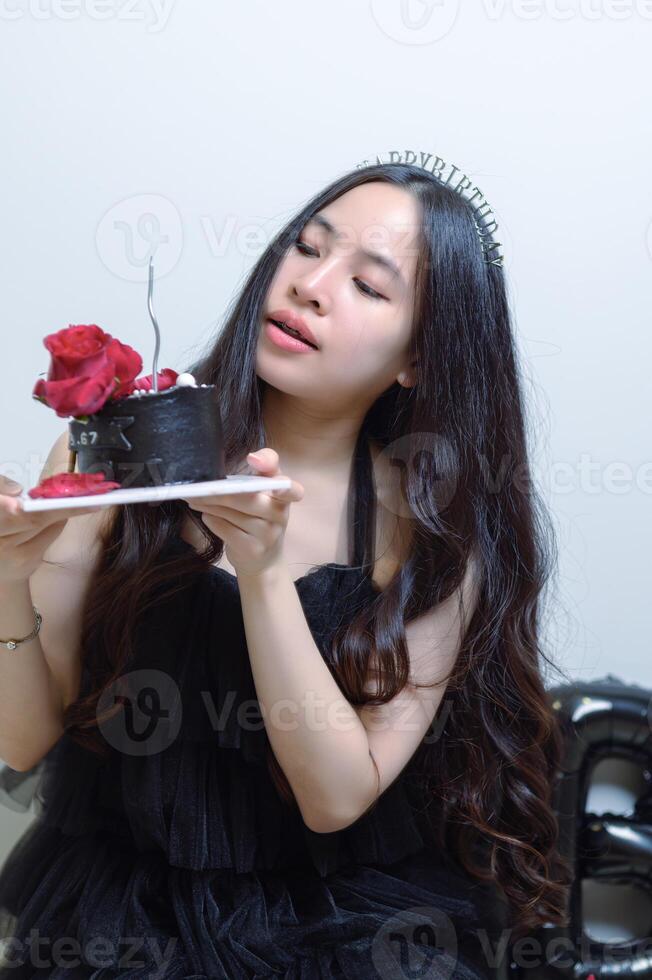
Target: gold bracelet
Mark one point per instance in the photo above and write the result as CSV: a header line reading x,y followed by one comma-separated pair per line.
x,y
12,644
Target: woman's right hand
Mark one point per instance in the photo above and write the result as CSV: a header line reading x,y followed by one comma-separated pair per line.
x,y
26,536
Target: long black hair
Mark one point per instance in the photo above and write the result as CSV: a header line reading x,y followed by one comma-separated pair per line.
x,y
469,492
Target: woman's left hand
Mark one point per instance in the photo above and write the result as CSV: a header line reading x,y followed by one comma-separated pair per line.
x,y
252,525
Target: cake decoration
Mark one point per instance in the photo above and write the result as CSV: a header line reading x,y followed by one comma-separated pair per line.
x,y
125,430
73,485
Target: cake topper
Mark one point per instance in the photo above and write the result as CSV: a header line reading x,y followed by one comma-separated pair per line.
x,y
150,288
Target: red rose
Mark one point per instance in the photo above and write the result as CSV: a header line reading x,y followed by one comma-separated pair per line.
x,y
167,378
77,396
76,350
73,485
86,365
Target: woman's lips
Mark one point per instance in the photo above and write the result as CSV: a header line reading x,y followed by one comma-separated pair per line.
x,y
290,318
284,340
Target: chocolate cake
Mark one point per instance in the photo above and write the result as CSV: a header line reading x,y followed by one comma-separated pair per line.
x,y
153,438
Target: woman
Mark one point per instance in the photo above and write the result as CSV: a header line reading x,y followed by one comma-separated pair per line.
x,y
361,820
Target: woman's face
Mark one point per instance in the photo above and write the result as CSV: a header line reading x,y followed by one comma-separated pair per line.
x,y
358,309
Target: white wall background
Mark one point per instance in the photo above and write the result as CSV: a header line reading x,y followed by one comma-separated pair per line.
x,y
219,119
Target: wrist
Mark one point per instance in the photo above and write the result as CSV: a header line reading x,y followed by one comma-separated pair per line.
x,y
265,577
13,642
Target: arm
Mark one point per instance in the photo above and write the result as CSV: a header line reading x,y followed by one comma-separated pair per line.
x,y
337,758
317,737
30,703
40,678
28,690
396,729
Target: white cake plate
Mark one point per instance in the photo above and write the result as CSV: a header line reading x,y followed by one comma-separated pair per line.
x,y
234,483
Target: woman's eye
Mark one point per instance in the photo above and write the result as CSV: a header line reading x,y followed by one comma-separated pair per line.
x,y
362,286
304,249
367,290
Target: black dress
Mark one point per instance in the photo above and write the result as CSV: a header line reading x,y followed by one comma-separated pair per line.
x,y
177,858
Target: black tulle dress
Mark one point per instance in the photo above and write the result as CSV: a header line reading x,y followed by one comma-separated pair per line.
x,y
176,857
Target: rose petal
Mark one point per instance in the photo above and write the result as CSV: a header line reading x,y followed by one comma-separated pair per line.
x,y
73,485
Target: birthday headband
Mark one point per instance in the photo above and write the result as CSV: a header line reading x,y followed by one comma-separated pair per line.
x,y
483,217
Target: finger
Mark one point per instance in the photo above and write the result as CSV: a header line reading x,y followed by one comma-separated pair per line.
x,y
290,494
201,504
265,461
9,487
273,512
212,506
224,528
244,522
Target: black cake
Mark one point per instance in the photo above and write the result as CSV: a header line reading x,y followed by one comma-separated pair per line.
x,y
153,438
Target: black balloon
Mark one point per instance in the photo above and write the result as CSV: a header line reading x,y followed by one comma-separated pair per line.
x,y
600,719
